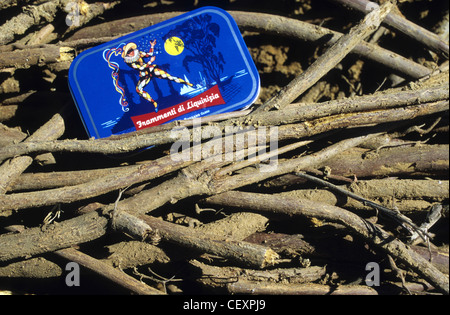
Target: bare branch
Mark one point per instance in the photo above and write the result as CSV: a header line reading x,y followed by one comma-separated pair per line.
x,y
328,60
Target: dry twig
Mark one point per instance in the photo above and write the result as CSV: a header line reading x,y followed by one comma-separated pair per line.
x,y
373,234
399,22
329,59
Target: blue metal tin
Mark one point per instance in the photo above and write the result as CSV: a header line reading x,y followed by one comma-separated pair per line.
x,y
193,65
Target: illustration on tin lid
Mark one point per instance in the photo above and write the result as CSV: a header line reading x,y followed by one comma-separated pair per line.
x,y
191,66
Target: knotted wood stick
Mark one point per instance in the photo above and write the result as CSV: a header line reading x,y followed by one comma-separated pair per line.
x,y
293,206
329,59
11,169
292,131
400,23
192,181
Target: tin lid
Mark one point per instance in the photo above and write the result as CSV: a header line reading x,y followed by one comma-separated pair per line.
x,y
193,65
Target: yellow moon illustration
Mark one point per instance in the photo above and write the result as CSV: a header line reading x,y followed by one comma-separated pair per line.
x,y
174,46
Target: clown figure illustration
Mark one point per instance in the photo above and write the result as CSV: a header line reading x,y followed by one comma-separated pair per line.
x,y
147,70
118,86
